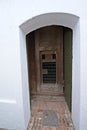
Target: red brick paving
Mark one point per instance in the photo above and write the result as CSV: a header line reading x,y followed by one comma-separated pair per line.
x,y
58,104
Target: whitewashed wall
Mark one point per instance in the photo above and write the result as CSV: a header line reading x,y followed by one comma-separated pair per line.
x,y
14,96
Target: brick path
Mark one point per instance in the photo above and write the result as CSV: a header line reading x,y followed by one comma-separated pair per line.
x,y
58,104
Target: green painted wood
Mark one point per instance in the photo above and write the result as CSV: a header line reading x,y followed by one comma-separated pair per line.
x,y
68,66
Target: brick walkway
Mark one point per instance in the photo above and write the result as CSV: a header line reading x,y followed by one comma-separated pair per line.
x,y
41,103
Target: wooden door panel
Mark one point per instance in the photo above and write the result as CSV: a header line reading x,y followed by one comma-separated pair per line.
x,y
47,41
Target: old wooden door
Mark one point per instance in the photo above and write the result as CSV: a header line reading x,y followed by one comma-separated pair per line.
x,y
49,60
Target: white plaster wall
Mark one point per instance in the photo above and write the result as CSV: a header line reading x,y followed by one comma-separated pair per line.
x,y
14,98
25,83
76,76
83,103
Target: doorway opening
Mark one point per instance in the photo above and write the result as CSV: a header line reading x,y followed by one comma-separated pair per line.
x,y
49,54
29,26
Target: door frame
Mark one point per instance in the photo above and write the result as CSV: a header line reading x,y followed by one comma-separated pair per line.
x,y
63,19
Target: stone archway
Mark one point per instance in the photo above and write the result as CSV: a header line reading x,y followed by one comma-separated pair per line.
x,y
63,19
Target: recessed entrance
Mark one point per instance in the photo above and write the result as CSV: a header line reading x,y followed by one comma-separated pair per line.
x,y
49,51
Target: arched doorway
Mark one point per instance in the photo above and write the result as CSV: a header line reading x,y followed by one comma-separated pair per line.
x,y
60,19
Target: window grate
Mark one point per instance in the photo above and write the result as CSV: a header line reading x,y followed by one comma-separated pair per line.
x,y
50,72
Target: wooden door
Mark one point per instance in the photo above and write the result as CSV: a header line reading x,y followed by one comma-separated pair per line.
x,y
49,60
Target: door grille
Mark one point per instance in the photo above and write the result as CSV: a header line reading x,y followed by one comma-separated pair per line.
x,y
49,72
